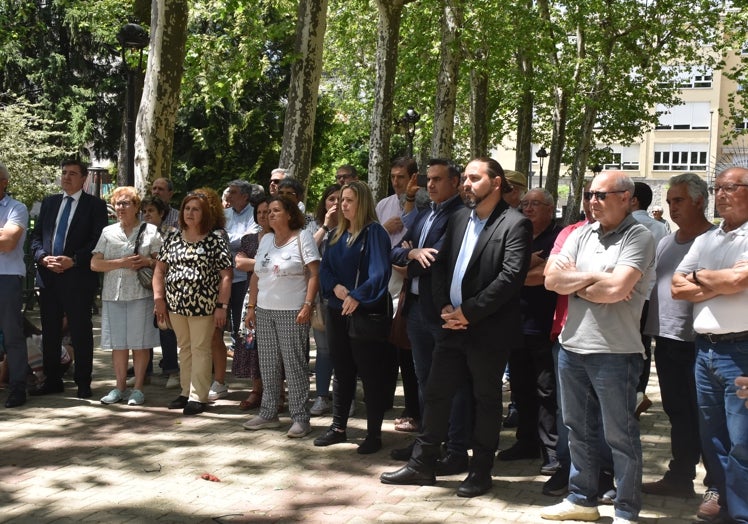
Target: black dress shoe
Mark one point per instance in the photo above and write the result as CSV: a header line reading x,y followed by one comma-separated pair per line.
x,y
330,437
193,407
452,464
84,392
369,445
48,388
408,476
178,403
403,454
475,485
15,398
519,452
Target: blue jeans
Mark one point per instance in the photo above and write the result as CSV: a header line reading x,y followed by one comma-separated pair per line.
x,y
422,335
323,366
591,385
723,421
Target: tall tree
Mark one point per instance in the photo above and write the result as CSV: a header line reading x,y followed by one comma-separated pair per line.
x,y
160,102
446,85
298,132
388,36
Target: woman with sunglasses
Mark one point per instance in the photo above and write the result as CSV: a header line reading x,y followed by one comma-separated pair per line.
x,y
192,286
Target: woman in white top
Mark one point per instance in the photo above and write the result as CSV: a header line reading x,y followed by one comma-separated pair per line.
x,y
127,306
281,293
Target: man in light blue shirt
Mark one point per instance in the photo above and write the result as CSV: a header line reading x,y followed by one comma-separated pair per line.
x,y
14,219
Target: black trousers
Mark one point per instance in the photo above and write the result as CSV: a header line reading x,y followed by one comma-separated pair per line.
x,y
674,361
371,360
481,363
61,299
533,383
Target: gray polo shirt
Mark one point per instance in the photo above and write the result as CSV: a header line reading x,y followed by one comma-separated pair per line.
x,y
608,328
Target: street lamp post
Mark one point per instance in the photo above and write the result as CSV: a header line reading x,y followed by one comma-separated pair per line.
x,y
541,154
408,122
135,38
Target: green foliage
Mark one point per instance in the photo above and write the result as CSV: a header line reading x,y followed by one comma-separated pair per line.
x,y
26,148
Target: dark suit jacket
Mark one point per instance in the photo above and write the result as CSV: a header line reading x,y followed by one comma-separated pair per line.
x,y
85,229
493,280
434,239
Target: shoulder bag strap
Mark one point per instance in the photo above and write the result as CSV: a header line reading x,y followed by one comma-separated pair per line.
x,y
137,238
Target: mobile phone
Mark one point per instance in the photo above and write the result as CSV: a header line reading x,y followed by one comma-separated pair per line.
x,y
422,181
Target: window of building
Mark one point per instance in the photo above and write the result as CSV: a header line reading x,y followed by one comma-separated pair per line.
x,y
691,115
693,77
625,158
680,157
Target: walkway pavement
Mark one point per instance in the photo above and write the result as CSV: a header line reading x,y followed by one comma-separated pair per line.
x,y
68,460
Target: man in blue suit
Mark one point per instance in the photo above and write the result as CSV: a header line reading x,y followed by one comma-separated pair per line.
x,y
477,278
417,252
68,227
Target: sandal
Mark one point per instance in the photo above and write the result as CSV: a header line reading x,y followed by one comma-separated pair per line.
x,y
252,401
407,425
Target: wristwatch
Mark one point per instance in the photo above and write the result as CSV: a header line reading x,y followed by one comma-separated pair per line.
x,y
222,305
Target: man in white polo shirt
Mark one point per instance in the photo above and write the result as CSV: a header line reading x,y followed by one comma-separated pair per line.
x,y
714,276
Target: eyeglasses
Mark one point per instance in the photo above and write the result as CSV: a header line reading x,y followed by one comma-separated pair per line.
x,y
123,203
532,203
287,193
600,195
201,196
275,180
727,188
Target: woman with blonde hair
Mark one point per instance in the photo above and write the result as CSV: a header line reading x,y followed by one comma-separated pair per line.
x,y
126,319
354,274
192,284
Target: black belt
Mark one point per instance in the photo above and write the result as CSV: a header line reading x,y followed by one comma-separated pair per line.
x,y
724,337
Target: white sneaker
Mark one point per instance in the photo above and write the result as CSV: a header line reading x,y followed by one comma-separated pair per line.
x,y
131,381
113,397
261,423
136,398
621,520
173,381
299,429
217,391
320,407
566,510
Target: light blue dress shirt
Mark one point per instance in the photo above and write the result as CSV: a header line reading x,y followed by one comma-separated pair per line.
x,y
469,240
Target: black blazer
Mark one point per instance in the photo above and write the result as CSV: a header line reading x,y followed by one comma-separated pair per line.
x,y
434,239
493,280
85,229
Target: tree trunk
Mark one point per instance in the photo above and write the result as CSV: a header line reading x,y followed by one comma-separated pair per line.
x,y
523,158
558,140
388,36
303,91
157,116
478,112
446,85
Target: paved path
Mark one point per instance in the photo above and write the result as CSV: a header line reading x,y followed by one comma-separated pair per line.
x,y
68,460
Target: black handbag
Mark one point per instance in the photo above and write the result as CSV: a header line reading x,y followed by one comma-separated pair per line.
x,y
372,322
145,274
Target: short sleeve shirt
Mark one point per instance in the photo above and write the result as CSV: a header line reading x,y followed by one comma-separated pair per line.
x,y
717,249
123,283
193,272
281,273
13,212
608,328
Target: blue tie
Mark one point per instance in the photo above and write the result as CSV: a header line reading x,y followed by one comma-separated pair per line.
x,y
62,227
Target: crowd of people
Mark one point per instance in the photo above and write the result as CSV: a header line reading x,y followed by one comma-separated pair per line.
x,y
483,277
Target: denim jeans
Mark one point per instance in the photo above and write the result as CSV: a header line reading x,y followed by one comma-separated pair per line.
x,y
723,421
422,335
323,366
594,384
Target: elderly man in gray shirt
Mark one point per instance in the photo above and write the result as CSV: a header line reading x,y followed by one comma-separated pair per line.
x,y
604,268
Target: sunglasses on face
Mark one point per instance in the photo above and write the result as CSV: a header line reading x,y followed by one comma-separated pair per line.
x,y
600,195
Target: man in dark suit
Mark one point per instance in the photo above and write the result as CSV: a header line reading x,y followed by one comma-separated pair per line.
x,y
417,252
68,227
477,279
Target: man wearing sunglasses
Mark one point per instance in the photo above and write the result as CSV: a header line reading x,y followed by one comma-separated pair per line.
x,y
604,268
714,276
276,176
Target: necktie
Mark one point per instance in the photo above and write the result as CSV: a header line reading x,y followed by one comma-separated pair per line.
x,y
62,227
